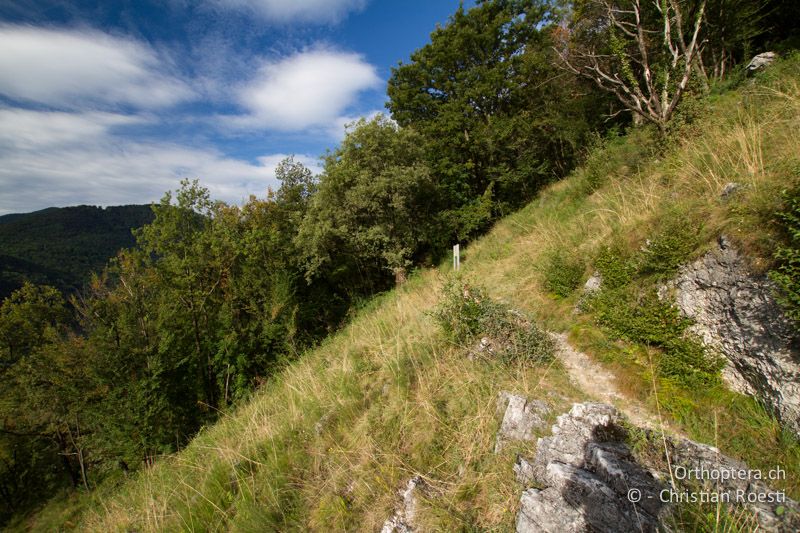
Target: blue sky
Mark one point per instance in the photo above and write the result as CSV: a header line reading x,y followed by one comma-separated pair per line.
x,y
113,102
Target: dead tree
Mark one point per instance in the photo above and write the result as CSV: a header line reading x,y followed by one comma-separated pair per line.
x,y
640,64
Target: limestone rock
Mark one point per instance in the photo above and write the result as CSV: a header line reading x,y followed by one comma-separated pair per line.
x,y
521,419
736,314
593,284
523,469
590,288
403,520
591,481
587,472
729,190
761,60
696,458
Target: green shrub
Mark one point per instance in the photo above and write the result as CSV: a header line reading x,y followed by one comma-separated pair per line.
x,y
642,318
670,247
563,273
468,316
615,265
787,256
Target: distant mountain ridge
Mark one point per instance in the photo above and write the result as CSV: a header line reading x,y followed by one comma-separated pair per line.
x,y
62,246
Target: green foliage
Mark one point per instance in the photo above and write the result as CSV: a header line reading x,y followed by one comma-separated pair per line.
x,y
615,265
787,256
29,318
373,211
670,246
467,316
494,110
632,310
563,272
168,335
32,319
615,157
710,517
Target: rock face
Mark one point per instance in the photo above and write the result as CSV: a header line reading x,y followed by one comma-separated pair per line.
x,y
592,481
735,313
403,519
521,418
587,472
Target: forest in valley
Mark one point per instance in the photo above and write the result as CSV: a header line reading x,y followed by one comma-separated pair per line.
x,y
212,298
61,247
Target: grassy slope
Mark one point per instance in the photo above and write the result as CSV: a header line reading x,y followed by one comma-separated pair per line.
x,y
326,445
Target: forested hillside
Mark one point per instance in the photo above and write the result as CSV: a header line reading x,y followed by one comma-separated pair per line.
x,y
63,246
200,380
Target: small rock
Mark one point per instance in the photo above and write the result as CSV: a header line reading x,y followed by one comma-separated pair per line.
x,y
729,190
319,427
590,288
761,60
593,284
521,419
403,520
524,471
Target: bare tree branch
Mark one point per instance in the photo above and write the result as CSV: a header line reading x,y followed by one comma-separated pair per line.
x,y
649,91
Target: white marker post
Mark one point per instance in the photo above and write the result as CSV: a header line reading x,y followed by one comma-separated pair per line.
x,y
456,257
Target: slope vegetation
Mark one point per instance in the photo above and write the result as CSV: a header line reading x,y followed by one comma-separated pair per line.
x,y
326,444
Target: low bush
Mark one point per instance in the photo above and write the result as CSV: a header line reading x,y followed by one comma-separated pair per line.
x,y
670,247
563,273
468,316
618,156
638,315
615,266
786,274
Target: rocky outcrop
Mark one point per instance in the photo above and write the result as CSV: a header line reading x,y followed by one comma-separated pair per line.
x,y
761,60
589,480
587,471
735,313
521,418
403,520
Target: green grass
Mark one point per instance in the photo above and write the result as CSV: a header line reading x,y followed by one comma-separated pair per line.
x,y
327,443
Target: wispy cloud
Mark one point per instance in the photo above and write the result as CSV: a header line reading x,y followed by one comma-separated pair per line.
x,y
72,68
305,90
320,11
83,162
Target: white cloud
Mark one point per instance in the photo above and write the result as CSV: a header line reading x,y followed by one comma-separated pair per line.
x,y
37,130
308,89
324,11
82,162
70,68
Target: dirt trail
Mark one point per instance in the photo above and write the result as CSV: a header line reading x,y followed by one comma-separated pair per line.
x,y
600,384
